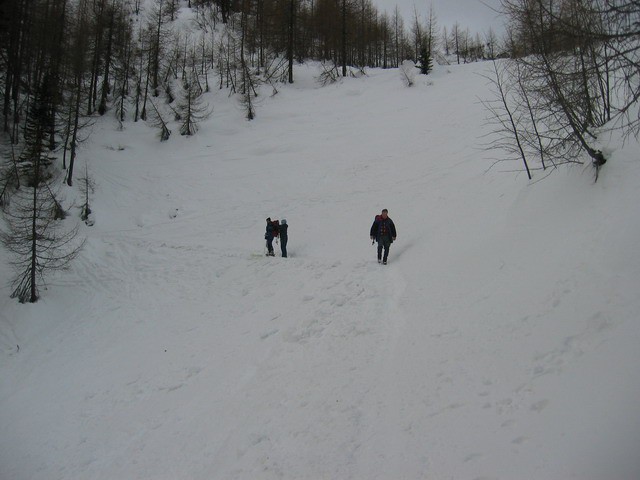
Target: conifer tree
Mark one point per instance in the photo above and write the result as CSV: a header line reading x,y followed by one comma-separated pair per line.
x,y
191,108
34,161
34,237
426,62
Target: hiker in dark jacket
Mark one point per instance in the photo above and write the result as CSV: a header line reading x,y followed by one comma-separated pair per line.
x,y
383,231
283,237
269,235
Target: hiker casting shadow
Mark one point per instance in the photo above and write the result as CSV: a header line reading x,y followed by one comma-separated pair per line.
x,y
383,231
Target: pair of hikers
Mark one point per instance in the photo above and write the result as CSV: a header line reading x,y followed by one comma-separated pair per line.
x,y
383,231
276,229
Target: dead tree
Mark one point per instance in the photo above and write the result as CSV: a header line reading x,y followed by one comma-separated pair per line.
x,y
158,121
506,118
559,77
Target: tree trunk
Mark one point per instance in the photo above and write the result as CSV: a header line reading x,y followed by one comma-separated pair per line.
x,y
292,26
106,88
74,137
344,38
34,234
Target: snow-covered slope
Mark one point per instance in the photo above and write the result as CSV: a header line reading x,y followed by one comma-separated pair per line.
x,y
501,341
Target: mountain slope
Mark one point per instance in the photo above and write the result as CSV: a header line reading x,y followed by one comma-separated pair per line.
x,y
500,341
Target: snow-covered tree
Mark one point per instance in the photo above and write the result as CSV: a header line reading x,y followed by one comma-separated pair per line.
x,y
408,72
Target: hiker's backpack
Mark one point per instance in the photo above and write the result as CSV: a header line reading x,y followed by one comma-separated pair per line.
x,y
276,227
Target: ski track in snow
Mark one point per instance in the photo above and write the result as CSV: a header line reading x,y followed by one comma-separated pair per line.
x,y
174,349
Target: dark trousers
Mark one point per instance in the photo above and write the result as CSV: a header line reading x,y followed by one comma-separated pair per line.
x,y
270,245
383,243
283,246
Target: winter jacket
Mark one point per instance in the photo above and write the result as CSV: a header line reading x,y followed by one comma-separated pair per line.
x,y
270,232
283,231
383,229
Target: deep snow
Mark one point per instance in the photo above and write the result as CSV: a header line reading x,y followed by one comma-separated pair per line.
x,y
502,340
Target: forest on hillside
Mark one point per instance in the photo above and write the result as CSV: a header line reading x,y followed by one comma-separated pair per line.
x,y
85,57
63,63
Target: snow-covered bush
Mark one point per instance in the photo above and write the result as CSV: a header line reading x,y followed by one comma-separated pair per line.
x,y
408,72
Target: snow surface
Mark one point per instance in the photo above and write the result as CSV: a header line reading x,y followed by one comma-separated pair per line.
x,y
501,341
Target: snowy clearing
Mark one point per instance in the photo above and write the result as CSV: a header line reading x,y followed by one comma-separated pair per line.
x,y
501,341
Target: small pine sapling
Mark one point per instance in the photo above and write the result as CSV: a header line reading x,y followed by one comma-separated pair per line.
x,y
426,62
86,188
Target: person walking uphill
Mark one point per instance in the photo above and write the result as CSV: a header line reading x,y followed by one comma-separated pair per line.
x,y
284,236
383,231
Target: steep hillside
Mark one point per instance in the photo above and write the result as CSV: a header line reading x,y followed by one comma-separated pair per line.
x,y
501,341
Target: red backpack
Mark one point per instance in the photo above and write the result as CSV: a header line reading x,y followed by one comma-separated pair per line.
x,y
276,227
